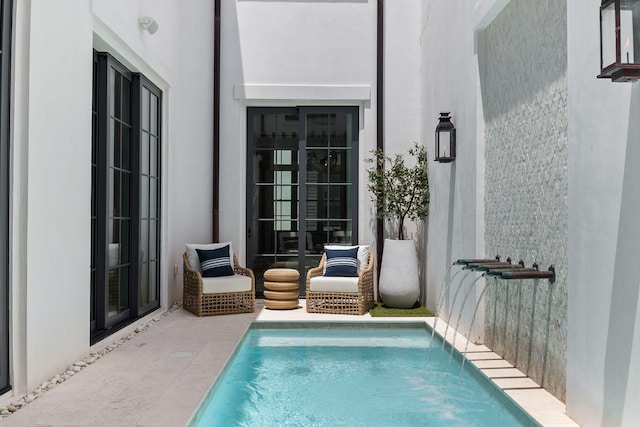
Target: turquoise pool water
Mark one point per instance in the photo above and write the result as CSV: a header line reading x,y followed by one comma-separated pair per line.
x,y
351,375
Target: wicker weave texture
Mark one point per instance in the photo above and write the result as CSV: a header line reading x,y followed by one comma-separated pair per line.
x,y
357,303
200,304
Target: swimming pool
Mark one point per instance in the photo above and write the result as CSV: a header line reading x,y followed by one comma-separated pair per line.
x,y
351,374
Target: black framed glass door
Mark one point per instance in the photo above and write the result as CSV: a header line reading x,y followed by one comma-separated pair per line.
x,y
301,185
125,200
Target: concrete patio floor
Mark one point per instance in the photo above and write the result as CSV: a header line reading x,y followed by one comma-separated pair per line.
x,y
159,376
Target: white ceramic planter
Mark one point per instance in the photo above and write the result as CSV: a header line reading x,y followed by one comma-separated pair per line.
x,y
399,284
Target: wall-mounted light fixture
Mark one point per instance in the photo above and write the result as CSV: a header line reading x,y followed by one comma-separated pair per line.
x,y
149,24
445,139
620,40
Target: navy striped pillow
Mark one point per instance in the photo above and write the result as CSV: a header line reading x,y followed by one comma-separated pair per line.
x,y
342,262
215,262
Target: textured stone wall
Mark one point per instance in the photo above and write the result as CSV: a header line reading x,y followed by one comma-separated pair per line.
x,y
524,92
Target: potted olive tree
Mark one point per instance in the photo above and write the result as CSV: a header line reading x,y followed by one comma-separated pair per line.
x,y
401,193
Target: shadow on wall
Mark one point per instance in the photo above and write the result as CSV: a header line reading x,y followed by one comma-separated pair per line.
x,y
522,79
623,311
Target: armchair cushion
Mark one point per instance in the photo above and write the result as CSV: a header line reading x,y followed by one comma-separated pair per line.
x,y
192,255
342,262
215,262
220,285
363,255
333,284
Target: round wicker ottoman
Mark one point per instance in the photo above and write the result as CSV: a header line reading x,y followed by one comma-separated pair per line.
x,y
281,288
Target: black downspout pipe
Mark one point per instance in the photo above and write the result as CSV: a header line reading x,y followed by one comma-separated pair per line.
x,y
216,123
380,119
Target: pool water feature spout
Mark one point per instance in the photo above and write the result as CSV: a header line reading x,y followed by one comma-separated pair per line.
x,y
550,274
477,261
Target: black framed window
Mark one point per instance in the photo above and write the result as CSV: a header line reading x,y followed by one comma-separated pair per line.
x,y
125,202
5,72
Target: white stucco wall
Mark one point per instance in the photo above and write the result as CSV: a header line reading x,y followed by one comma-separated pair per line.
x,y
449,83
603,362
51,191
51,157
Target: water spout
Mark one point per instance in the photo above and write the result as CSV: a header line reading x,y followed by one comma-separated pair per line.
x,y
477,261
529,274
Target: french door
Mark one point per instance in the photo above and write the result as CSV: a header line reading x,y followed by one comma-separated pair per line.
x,y
302,171
125,198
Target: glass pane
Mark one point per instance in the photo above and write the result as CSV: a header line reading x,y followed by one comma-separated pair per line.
x,y
112,129
317,125
263,202
317,201
153,240
114,237
115,137
340,130
627,41
265,237
126,101
112,92
263,166
144,197
153,281
144,240
126,148
260,264
153,198
153,156
320,232
125,241
117,95
143,286
144,153
339,202
145,109
288,140
112,292
114,184
126,191
124,289
340,166
318,161
444,144
608,31
286,262
288,241
153,114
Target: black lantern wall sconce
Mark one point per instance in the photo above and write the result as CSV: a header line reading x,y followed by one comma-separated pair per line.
x,y
620,40
445,139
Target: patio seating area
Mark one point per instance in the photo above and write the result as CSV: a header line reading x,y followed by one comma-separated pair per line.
x,y
159,376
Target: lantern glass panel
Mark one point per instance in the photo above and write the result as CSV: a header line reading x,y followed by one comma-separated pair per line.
x,y
444,145
630,30
627,41
608,32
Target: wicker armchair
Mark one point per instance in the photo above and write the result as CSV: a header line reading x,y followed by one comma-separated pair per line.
x,y
326,299
209,304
